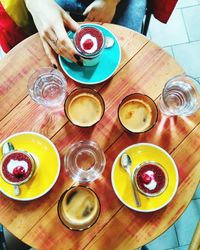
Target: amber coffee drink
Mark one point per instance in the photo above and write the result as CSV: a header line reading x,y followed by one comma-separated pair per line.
x,y
84,107
137,113
78,208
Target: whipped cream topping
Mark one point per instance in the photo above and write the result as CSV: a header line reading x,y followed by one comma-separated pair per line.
x,y
94,40
15,163
152,184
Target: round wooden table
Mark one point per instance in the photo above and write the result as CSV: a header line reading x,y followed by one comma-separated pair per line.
x,y
145,68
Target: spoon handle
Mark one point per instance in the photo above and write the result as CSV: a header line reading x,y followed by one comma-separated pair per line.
x,y
137,201
16,190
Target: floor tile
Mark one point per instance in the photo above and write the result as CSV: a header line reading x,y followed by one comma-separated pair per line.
x,y
172,33
187,223
188,57
169,50
192,17
197,193
182,247
167,240
186,3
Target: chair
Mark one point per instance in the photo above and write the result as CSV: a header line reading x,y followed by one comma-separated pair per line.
x,y
2,239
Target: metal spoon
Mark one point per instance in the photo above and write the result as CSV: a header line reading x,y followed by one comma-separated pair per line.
x,y
109,42
7,147
126,164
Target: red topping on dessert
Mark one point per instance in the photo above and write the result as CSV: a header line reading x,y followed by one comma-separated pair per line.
x,y
146,178
94,33
19,172
88,44
142,178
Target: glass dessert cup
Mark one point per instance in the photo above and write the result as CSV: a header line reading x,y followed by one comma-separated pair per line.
x,y
85,161
84,107
17,167
78,208
151,178
137,113
89,43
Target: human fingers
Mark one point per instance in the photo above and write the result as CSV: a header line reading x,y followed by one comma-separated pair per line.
x,y
90,17
49,52
64,44
69,22
87,10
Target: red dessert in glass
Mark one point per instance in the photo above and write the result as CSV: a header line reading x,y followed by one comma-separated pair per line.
x,y
17,167
151,178
89,40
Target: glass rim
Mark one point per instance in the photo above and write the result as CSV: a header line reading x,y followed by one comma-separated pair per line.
x,y
148,128
136,170
95,93
98,155
179,76
88,55
60,202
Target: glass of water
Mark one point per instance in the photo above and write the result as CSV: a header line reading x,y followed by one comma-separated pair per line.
x,y
84,161
180,96
47,86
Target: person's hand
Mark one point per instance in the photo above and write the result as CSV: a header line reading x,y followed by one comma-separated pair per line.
x,y
50,20
101,11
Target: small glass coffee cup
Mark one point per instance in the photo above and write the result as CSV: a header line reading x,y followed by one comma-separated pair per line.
x,y
78,208
85,161
84,107
137,113
89,42
151,178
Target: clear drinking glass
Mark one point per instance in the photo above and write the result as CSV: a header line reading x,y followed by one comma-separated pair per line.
x,y
180,96
85,161
47,86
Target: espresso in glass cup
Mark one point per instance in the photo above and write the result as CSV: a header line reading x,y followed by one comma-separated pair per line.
x,y
137,113
78,208
84,107
89,41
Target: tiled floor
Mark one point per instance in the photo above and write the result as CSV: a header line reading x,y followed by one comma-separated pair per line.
x,y
180,37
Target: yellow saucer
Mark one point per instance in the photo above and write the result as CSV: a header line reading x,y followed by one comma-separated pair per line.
x,y
121,182
47,165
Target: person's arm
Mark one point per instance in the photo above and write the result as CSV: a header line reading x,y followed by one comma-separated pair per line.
x,y
101,11
50,20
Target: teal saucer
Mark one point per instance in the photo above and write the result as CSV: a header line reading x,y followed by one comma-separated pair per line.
x,y
108,64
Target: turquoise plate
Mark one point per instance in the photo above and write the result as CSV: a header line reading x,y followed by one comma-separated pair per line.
x,y
108,64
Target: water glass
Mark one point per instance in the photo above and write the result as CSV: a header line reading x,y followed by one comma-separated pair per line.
x,y
180,96
85,161
47,86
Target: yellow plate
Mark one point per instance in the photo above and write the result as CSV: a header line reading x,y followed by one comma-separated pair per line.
x,y
47,165
121,183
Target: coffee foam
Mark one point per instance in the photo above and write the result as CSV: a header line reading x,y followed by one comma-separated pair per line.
x,y
84,110
135,115
79,207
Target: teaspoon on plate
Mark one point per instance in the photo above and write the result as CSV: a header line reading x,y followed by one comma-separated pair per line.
x,y
126,164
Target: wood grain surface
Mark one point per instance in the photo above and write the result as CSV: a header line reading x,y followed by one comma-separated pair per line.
x,y
144,68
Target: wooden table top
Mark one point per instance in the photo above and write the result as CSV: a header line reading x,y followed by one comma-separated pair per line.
x,y
145,68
